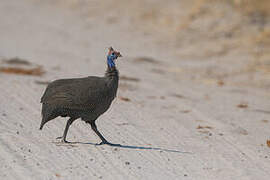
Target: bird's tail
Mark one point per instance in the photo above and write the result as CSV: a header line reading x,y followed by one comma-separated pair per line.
x,y
41,125
47,115
43,121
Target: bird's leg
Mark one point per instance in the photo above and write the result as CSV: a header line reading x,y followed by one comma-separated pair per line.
x,y
94,128
104,141
63,138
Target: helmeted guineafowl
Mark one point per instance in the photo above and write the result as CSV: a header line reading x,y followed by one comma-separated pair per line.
x,y
86,98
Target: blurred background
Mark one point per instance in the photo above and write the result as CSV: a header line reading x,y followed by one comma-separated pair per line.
x,y
231,38
193,98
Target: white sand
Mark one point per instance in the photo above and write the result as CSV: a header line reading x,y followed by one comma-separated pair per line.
x,y
157,129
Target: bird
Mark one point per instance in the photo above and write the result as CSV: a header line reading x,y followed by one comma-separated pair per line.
x,y
86,98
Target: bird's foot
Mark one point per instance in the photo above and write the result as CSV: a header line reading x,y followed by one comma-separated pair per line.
x,y
108,143
65,141
62,140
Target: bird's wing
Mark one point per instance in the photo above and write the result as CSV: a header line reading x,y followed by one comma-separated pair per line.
x,y
74,93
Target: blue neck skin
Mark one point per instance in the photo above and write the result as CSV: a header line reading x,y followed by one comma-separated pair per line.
x,y
110,62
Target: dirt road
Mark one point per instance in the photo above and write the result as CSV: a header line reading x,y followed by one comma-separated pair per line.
x,y
170,125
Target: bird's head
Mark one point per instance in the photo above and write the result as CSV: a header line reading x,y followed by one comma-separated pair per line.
x,y
112,56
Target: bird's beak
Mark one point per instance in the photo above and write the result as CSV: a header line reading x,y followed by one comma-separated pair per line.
x,y
118,54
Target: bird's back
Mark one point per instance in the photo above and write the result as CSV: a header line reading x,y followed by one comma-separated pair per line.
x,y
77,94
78,97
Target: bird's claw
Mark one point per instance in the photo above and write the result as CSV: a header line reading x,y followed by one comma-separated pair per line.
x,y
62,140
101,143
108,143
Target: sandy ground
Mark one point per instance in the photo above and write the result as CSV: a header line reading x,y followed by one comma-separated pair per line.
x,y
172,126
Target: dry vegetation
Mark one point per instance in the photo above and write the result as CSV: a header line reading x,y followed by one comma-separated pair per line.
x,y
244,23
236,33
253,6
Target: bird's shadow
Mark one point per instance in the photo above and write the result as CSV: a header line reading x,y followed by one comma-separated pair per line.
x,y
134,147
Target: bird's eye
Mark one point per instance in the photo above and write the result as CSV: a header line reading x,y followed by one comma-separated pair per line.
x,y
113,53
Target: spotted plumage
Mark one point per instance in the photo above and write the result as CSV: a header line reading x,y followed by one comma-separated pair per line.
x,y
86,98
